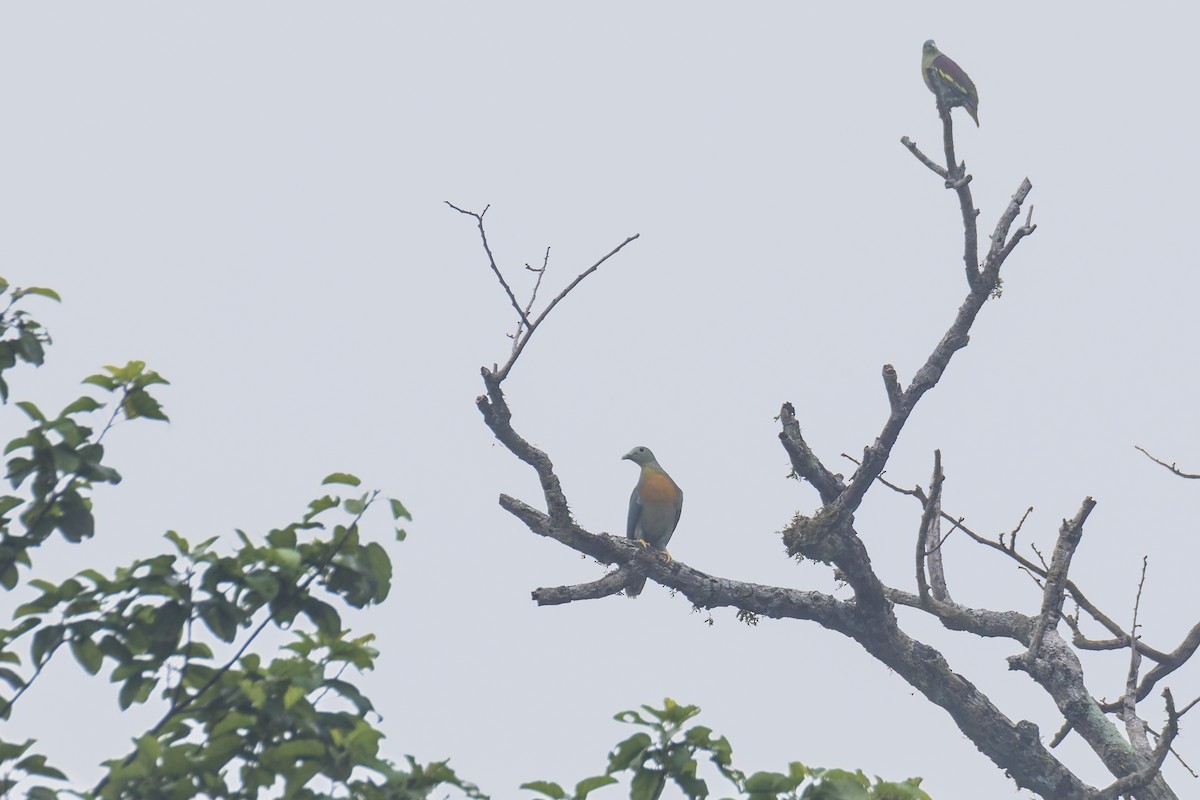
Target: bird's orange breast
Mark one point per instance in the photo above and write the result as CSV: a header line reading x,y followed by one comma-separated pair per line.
x,y
656,487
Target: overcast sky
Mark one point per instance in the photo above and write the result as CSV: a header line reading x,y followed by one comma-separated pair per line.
x,y
249,197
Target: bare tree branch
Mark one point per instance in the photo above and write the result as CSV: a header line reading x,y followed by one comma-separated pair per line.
x,y
487,248
892,385
929,538
804,462
541,273
1069,536
522,339
1135,727
829,536
1173,469
1151,772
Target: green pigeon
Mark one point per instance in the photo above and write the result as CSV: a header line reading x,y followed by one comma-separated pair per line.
x,y
654,508
948,81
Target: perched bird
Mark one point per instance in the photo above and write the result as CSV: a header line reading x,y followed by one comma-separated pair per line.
x,y
654,508
948,81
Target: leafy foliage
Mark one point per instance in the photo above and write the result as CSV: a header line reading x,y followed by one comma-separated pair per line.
x,y
22,338
179,630
663,752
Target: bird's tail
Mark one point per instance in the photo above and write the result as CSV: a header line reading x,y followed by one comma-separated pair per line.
x,y
634,587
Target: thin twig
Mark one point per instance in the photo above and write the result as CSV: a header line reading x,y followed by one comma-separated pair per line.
x,y
491,258
502,373
27,684
1012,537
1171,467
1135,727
541,273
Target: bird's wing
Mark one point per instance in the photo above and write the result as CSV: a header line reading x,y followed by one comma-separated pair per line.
x,y
950,72
678,506
635,512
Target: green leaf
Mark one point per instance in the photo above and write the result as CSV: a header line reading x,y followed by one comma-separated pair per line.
x,y
42,793
691,785
282,537
646,785
319,505
264,583
11,678
768,782
350,692
323,615
398,510
181,544
83,404
88,654
76,521
103,381
628,751
836,784
220,618
548,788
31,411
11,750
673,712
587,785
341,477
36,765
218,750
18,470
44,642
8,503
285,755
38,290
29,345
135,690
909,790
285,557
139,403
380,567
232,721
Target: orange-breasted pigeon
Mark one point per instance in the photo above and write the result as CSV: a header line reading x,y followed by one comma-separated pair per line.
x,y
654,508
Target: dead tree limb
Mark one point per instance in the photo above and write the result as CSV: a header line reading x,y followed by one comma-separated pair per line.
x,y
829,535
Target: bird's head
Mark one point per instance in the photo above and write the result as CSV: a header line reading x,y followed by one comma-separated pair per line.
x,y
640,455
929,48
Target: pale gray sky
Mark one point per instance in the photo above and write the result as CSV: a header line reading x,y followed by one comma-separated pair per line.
x,y
248,196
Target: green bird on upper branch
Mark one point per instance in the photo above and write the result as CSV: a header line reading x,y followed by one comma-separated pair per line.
x,y
948,82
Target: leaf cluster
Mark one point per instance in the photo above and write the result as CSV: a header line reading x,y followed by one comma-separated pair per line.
x,y
663,753
181,629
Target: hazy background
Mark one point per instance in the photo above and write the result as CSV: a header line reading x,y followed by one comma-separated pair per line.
x,y
249,197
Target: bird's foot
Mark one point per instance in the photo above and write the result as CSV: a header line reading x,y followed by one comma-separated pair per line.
x,y
667,554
